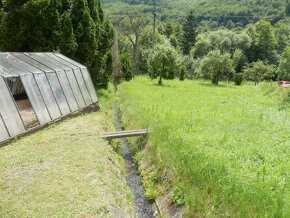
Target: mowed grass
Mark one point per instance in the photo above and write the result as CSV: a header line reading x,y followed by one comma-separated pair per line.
x,y
65,170
223,150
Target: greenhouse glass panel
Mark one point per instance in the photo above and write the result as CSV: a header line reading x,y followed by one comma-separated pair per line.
x,y
76,89
9,111
90,84
60,96
33,63
82,85
83,89
35,98
48,96
63,78
3,131
56,87
85,74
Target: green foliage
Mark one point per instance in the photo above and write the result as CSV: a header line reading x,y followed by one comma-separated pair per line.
x,y
164,62
238,78
76,28
215,13
127,69
259,71
215,65
68,44
182,74
282,34
287,9
284,67
226,146
225,41
177,194
189,33
264,43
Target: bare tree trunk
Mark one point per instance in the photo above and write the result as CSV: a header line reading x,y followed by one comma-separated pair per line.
x,y
135,53
118,66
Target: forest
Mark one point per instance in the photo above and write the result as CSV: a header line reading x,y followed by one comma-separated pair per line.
x,y
241,41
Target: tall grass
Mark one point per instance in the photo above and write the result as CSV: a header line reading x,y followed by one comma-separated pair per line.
x,y
225,149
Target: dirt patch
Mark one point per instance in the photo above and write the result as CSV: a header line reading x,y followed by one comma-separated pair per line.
x,y
27,113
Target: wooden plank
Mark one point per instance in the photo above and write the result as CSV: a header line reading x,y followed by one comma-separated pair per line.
x,y
124,134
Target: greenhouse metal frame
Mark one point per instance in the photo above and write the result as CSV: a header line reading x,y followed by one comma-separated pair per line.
x,y
54,85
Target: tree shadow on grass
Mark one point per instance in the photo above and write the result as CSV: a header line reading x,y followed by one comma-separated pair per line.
x,y
209,85
163,85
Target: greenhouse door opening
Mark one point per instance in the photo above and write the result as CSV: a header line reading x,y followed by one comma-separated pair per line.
x,y
23,103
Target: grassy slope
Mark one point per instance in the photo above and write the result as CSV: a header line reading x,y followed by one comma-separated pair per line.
x,y
224,148
64,170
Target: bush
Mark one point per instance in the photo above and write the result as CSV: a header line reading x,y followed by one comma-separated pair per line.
x,y
182,74
238,79
127,68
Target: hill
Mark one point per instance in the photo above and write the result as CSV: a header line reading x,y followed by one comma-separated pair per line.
x,y
241,12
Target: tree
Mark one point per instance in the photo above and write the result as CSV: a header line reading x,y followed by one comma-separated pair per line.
x,y
259,71
284,67
264,42
226,41
182,74
282,34
164,62
169,28
68,44
35,27
189,33
215,64
131,27
75,27
85,32
238,78
287,9
127,69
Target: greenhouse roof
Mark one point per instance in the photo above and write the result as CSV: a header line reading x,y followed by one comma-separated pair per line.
x,y
54,85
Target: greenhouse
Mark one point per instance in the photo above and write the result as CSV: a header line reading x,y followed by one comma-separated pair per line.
x,y
38,88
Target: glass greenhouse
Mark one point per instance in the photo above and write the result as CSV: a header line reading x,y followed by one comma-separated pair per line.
x,y
37,88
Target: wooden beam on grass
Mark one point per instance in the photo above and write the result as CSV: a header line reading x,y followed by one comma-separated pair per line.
x,y
125,134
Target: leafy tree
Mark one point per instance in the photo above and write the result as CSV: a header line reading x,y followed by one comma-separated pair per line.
x,y
127,68
264,43
238,78
189,33
284,67
131,27
225,41
282,34
164,62
259,71
169,28
287,9
33,27
182,74
215,64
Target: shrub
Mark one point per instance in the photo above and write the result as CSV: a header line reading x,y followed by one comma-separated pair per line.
x,y
238,79
182,74
127,68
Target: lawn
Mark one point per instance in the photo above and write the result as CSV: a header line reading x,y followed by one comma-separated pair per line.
x,y
65,170
219,150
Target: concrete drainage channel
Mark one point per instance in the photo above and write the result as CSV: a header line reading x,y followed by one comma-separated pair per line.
x,y
143,207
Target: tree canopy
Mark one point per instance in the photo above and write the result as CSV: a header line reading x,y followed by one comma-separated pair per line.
x,y
76,28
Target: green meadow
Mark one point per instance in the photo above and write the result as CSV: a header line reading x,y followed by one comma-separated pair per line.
x,y
219,150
